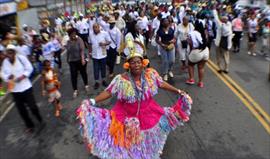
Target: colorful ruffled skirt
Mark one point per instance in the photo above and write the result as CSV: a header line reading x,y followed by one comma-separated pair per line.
x,y
107,138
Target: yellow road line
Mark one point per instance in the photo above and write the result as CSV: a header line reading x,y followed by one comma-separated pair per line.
x,y
245,94
246,103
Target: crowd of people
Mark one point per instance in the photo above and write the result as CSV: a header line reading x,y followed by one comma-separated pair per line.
x,y
105,36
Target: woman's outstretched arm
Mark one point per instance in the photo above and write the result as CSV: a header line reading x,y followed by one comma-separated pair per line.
x,y
168,87
103,96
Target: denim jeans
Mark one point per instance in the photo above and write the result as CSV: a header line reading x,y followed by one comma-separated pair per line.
x,y
99,66
168,59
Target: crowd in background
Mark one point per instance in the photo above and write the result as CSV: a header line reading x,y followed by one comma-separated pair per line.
x,y
187,31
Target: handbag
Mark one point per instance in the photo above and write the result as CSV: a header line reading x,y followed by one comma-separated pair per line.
x,y
184,44
118,59
170,47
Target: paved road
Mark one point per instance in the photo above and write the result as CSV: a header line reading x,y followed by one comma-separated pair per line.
x,y
221,126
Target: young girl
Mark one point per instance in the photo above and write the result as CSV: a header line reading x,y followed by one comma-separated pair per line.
x,y
50,86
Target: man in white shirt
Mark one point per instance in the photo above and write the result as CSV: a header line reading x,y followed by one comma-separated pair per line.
x,y
83,28
223,41
16,70
182,33
115,36
92,20
142,22
155,27
120,23
105,26
23,49
122,11
26,36
99,41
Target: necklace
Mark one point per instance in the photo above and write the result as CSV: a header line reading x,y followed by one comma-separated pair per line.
x,y
138,93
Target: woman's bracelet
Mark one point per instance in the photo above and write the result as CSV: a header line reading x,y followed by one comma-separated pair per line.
x,y
179,91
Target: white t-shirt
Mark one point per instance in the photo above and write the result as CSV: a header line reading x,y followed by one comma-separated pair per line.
x,y
115,36
82,26
196,38
122,13
134,15
20,67
91,23
104,25
143,23
182,31
99,52
155,24
252,25
48,51
56,44
58,21
165,14
23,50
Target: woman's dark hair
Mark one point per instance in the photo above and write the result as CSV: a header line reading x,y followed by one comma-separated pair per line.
x,y
72,30
161,22
44,62
131,28
201,29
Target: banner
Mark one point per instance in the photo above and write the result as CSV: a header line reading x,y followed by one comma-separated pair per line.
x,y
7,8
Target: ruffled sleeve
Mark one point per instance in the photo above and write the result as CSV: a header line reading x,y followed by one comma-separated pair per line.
x,y
153,77
112,88
122,89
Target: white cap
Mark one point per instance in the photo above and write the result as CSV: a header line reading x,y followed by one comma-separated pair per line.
x,y
11,47
24,25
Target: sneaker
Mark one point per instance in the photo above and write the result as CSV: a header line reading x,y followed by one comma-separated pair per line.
x,y
104,83
200,84
75,93
225,71
96,86
165,78
111,75
86,88
254,54
190,81
249,53
171,74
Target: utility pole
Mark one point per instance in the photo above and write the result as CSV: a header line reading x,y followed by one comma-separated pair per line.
x,y
65,5
46,5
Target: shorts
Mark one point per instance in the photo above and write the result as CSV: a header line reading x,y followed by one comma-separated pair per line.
x,y
199,55
56,95
253,37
